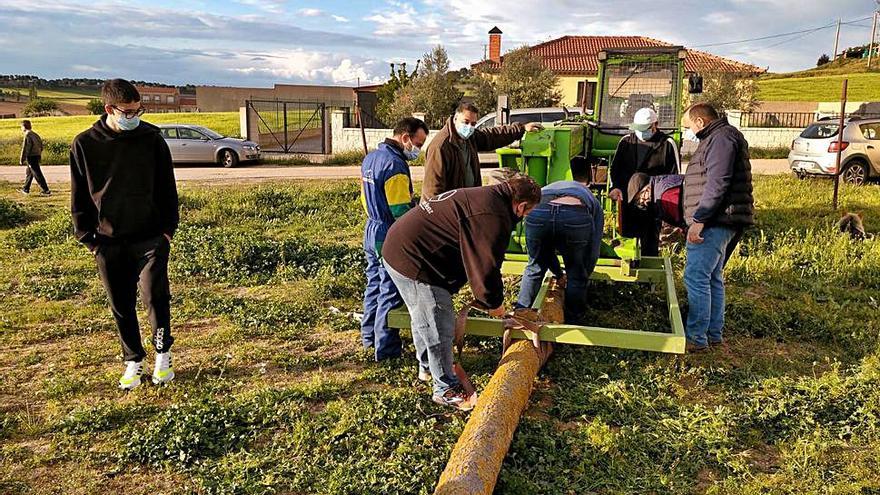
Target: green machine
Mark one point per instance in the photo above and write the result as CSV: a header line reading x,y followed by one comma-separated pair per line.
x,y
628,79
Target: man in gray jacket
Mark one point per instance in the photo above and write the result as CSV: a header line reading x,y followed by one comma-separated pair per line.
x,y
718,206
31,154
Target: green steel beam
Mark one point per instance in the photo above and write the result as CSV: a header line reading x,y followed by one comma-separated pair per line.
x,y
673,342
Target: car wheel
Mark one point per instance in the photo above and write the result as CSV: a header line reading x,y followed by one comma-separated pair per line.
x,y
856,172
228,158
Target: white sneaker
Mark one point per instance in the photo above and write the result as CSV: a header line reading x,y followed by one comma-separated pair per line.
x,y
163,371
424,376
131,379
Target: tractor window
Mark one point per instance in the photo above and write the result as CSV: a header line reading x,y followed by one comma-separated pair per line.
x,y
631,85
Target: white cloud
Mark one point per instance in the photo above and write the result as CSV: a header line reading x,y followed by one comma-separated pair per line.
x,y
339,18
718,18
308,12
307,66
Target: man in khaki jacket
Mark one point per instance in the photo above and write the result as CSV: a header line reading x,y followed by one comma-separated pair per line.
x,y
451,161
31,154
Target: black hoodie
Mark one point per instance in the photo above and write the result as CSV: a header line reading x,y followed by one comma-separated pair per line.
x,y
122,185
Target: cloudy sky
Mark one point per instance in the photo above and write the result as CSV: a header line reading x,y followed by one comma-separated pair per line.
x,y
260,42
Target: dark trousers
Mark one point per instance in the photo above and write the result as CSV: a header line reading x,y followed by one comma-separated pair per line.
x,y
563,229
644,226
34,172
126,266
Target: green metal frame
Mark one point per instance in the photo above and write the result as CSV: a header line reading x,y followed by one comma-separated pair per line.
x,y
546,157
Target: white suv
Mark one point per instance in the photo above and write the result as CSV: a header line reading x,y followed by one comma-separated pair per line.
x,y
815,151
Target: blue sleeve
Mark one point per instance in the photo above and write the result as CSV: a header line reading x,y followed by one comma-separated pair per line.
x,y
719,171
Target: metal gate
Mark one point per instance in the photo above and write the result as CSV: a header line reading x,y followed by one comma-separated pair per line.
x,y
288,126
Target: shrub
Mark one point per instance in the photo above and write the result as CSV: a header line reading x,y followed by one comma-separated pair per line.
x,y
95,106
11,214
39,107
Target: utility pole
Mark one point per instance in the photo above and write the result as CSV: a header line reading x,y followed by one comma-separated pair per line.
x,y
871,44
836,41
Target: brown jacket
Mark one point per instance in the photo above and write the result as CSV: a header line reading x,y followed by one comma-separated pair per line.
x,y
458,237
444,167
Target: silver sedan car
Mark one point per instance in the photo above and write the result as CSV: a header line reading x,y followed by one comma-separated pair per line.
x,y
197,144
814,152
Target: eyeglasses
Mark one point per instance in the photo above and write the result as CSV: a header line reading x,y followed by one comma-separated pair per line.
x,y
130,114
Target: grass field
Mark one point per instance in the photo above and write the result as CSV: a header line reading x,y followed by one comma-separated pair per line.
x,y
861,87
823,83
58,132
274,395
73,96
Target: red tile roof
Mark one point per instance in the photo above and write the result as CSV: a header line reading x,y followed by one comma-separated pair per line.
x,y
156,89
578,55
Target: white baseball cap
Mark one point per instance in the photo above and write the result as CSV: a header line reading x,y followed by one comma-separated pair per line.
x,y
643,119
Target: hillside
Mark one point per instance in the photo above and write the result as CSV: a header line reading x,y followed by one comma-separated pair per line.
x,y
823,83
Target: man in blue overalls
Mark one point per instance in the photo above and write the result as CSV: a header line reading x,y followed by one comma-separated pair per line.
x,y
386,194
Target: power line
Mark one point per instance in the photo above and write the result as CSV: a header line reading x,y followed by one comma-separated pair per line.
x,y
780,35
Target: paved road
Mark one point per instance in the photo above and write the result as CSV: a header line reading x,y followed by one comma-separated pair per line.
x,y
55,174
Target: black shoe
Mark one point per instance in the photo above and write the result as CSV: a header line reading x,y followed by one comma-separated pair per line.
x,y
45,193
23,191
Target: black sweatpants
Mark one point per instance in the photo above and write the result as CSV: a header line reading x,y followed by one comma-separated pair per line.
x,y
644,226
34,172
126,266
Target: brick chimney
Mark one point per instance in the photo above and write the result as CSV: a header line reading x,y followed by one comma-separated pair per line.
x,y
495,45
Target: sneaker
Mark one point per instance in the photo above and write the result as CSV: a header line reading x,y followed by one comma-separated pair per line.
x,y
131,379
24,192
716,343
455,397
45,193
424,376
163,371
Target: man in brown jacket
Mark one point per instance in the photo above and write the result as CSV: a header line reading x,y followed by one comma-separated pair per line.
x,y
451,161
434,249
31,154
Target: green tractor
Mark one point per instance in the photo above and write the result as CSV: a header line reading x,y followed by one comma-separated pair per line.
x,y
629,79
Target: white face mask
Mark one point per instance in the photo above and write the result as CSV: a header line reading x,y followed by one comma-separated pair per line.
x,y
644,135
690,135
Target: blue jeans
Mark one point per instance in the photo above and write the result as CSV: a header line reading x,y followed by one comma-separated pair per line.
x,y
563,229
432,320
380,297
704,279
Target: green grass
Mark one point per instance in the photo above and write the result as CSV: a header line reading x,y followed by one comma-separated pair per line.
x,y
861,87
274,395
73,96
58,132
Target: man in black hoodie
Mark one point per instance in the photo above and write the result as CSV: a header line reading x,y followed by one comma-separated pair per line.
x,y
124,207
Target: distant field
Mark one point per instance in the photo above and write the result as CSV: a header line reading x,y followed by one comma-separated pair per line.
x,y
862,87
58,132
72,96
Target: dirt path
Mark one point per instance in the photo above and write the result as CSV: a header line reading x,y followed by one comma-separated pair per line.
x,y
55,174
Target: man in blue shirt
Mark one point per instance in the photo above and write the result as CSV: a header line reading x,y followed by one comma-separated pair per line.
x,y
569,221
386,194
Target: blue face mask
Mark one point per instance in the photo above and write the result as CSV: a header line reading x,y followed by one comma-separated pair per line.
x,y
690,135
412,154
644,135
125,123
465,130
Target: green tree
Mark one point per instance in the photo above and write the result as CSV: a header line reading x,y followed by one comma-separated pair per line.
x,y
728,91
431,92
387,92
39,107
526,82
482,91
95,106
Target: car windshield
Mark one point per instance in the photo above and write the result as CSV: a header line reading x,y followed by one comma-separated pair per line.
x,y
820,131
208,132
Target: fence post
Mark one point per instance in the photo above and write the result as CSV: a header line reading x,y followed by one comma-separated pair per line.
x,y
839,143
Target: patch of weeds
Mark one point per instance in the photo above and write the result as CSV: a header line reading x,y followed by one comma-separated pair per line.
x,y
11,214
54,230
